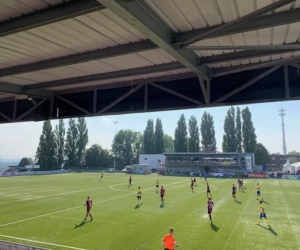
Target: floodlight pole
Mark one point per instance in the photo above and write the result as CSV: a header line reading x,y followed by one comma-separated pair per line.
x,y
115,123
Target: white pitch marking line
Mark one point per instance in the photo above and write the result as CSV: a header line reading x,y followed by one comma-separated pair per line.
x,y
41,242
64,210
47,196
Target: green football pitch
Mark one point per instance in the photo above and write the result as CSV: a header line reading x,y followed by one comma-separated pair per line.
x,y
48,211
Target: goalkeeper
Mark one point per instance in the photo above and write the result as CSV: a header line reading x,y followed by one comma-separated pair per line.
x,y
169,241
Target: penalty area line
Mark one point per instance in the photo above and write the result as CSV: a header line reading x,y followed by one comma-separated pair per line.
x,y
41,242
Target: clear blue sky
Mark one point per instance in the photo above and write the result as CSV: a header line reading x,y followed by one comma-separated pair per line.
x,y
21,139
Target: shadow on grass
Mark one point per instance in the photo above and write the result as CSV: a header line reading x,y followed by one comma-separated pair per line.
x,y
137,206
265,202
162,205
214,227
238,202
81,224
270,229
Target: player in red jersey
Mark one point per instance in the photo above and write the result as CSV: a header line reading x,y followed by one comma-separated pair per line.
x,y
130,182
208,191
88,205
162,194
234,192
192,185
210,205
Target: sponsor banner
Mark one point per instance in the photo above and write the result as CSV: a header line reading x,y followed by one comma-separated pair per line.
x,y
32,166
217,174
292,177
33,173
254,175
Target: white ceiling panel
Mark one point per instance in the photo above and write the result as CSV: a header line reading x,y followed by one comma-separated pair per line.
x,y
15,8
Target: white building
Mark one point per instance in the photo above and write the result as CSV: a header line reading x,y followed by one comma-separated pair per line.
x,y
154,160
140,169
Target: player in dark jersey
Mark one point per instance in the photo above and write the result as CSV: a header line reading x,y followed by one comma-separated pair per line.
x,y
162,194
208,191
192,185
88,205
205,178
210,205
130,182
195,181
234,192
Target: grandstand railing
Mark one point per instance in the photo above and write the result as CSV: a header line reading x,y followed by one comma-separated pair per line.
x,y
5,245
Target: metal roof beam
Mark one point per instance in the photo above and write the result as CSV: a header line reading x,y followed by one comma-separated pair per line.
x,y
145,20
48,16
240,55
246,85
30,110
80,58
244,19
13,89
128,83
262,22
105,76
240,68
176,93
246,47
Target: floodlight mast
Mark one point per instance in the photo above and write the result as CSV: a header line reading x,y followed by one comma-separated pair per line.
x,y
282,114
115,123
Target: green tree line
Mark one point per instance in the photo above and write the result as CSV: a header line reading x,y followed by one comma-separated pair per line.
x,y
58,147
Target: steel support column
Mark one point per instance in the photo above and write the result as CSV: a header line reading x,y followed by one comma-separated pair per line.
x,y
203,88
146,97
95,101
286,81
15,109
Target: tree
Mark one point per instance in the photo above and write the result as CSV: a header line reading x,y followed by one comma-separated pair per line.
x,y
137,147
149,138
238,123
83,138
249,136
59,133
71,144
123,145
169,144
159,137
97,157
194,139
293,158
229,143
208,138
261,154
25,161
46,151
180,138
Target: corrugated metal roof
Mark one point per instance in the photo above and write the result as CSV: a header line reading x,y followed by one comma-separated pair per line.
x,y
10,9
93,31
194,14
130,61
116,80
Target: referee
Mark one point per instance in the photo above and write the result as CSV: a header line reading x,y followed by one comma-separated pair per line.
x,y
169,242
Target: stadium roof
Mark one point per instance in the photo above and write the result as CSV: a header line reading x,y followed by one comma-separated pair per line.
x,y
62,59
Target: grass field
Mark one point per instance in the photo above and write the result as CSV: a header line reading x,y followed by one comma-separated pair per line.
x,y
47,211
